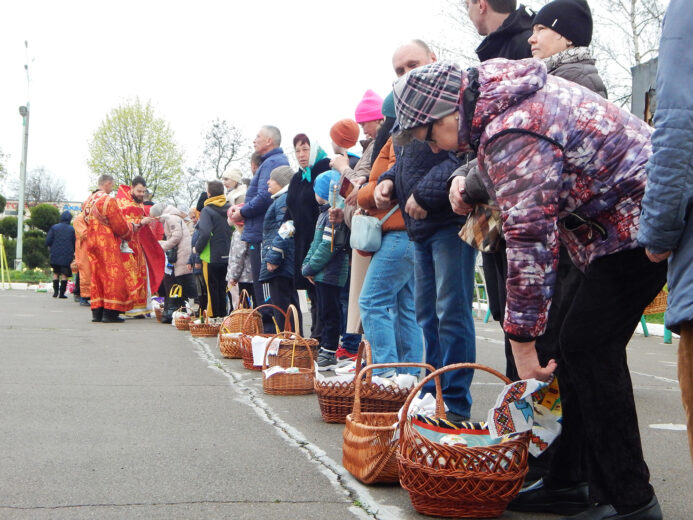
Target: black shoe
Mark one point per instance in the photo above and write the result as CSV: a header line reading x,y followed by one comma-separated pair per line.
x,y
650,511
111,316
97,314
84,302
56,285
456,418
540,499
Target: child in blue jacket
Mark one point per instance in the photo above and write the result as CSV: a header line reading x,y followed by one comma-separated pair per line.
x,y
326,265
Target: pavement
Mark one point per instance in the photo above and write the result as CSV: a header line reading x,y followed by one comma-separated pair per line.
x,y
139,420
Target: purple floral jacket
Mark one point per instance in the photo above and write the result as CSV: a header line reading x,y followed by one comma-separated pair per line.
x,y
551,149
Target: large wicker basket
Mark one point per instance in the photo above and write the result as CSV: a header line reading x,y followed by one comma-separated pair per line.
x,y
336,398
369,449
229,343
289,383
237,321
459,481
659,304
204,329
245,340
287,354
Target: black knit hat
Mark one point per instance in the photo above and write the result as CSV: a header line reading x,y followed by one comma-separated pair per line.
x,y
571,19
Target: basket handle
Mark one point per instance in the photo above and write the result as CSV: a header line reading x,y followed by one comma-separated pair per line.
x,y
294,312
243,300
364,349
440,406
263,306
356,412
299,341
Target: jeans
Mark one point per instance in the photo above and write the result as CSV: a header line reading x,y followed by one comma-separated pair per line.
x,y
387,304
350,342
600,424
445,275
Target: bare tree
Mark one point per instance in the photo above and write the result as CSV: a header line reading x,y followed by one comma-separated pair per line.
x,y
42,186
456,38
223,144
191,185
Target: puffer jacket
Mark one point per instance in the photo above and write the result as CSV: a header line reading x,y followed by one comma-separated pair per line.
x,y
576,64
257,198
666,223
61,240
177,236
554,154
327,264
215,230
420,172
275,249
239,268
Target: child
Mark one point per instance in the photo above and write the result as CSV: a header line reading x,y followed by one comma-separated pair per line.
x,y
277,267
326,265
238,272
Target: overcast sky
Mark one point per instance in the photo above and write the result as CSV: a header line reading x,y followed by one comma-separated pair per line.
x,y
300,65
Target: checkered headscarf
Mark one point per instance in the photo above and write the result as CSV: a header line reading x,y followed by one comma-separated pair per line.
x,y
427,94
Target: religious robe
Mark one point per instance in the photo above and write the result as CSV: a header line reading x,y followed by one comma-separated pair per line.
x,y
106,227
145,265
81,255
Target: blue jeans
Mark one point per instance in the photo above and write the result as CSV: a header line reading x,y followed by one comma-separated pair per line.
x,y
387,304
445,275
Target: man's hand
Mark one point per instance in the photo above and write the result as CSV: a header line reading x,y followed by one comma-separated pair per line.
x,y
458,204
336,215
340,163
272,267
311,279
189,268
352,198
414,210
657,257
236,216
383,194
527,362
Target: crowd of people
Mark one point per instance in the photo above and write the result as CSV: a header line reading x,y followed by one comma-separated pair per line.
x,y
531,136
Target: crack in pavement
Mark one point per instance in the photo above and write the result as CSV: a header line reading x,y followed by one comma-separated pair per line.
x,y
338,476
184,503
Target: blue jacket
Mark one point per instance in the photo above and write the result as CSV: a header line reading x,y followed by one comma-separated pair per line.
x,y
666,223
61,240
275,249
257,198
328,264
420,172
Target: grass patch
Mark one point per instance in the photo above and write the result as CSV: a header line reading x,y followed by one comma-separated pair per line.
x,y
655,318
30,275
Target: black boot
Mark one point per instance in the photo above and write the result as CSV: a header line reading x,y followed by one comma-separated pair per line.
x,y
538,498
97,314
111,316
63,288
56,284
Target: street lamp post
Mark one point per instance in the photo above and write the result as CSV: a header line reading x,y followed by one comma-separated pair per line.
x,y
24,112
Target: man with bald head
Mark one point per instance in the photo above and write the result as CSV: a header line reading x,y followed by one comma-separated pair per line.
x,y
444,264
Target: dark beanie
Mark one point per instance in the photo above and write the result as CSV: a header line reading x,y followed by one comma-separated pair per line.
x,y
572,19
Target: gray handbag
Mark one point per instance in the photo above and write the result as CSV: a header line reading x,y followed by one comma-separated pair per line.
x,y
366,231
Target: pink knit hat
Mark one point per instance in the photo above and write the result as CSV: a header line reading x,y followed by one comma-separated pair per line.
x,y
369,108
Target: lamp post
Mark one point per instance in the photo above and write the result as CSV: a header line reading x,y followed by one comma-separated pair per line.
x,y
24,112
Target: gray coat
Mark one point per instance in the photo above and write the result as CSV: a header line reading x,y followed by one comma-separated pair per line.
x,y
576,64
177,236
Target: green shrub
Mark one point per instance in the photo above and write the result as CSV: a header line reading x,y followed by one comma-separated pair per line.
x,y
35,252
8,227
31,276
44,216
10,250
3,202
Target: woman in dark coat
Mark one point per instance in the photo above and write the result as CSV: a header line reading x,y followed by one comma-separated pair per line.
x,y
303,210
61,240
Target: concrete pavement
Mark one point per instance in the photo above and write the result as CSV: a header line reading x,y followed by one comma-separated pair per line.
x,y
140,420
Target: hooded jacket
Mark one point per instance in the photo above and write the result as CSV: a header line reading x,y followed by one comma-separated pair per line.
x,y
275,249
61,240
510,39
213,228
177,236
554,155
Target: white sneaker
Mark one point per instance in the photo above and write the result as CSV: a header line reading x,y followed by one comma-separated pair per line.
x,y
348,369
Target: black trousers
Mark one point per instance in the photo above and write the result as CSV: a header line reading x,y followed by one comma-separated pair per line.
x,y
600,424
283,294
188,286
216,278
259,297
315,325
330,314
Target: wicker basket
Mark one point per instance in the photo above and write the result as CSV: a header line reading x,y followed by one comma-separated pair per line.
x,y
204,329
245,340
336,398
158,313
294,383
237,322
369,449
459,481
182,323
287,354
659,304
230,347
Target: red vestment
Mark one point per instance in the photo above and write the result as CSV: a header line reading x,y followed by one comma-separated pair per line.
x,y
106,226
145,265
81,255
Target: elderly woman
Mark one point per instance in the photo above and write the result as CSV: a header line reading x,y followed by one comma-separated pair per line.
x,y
565,166
177,244
233,184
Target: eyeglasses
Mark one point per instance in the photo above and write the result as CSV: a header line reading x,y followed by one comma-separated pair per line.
x,y
429,134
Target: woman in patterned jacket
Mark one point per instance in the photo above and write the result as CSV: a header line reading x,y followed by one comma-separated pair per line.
x,y
564,165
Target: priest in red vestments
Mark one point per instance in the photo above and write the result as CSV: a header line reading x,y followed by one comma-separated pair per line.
x,y
106,229
146,261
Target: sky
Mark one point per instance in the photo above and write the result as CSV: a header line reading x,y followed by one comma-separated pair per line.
x,y
300,66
